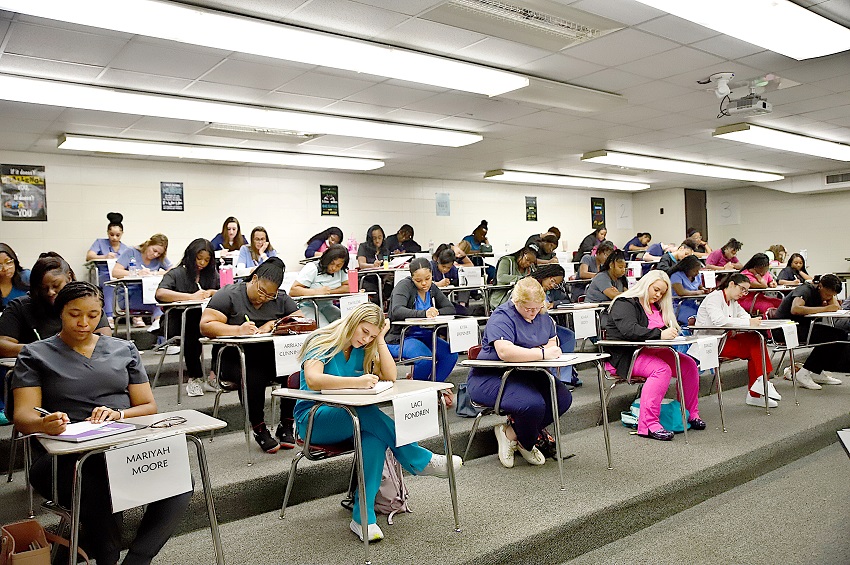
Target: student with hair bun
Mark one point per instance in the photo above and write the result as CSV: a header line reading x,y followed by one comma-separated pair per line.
x,y
725,257
478,238
109,247
757,270
511,268
794,272
320,242
722,307
418,297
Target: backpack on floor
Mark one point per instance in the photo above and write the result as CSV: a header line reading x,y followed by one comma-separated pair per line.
x,y
670,418
392,496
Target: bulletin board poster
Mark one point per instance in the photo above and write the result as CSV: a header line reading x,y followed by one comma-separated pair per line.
x,y
329,194
23,192
530,208
444,203
597,212
171,194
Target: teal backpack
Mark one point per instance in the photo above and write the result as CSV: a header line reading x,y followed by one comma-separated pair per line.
x,y
670,419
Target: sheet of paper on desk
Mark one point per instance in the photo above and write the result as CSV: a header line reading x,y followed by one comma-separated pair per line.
x,y
78,428
566,357
677,338
398,262
380,386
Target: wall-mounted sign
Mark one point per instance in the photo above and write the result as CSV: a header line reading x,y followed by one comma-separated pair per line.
x,y
171,194
530,208
443,204
330,199
23,192
597,212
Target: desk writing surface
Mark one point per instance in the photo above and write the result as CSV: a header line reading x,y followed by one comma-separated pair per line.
x,y
662,342
233,339
576,359
332,296
400,388
838,314
438,321
181,303
8,362
195,422
764,325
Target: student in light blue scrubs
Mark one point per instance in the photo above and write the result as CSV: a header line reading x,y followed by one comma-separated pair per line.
x,y
109,247
352,353
149,259
260,249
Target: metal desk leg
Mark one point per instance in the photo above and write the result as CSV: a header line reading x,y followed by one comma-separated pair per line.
x,y
556,418
205,480
245,401
681,390
794,375
447,441
77,493
603,403
180,356
763,374
434,354
720,398
361,482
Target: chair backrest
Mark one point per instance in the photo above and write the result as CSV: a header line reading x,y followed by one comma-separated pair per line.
x,y
692,320
473,352
294,380
581,298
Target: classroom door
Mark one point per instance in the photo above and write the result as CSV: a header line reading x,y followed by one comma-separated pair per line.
x,y
695,212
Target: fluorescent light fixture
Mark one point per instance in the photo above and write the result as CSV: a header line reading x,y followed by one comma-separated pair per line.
x,y
784,141
85,97
219,30
561,180
633,161
779,25
210,153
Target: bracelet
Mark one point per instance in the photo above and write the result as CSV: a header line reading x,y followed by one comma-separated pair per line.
x,y
542,353
121,414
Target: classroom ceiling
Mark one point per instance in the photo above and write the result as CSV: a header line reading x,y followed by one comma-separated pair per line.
x,y
651,64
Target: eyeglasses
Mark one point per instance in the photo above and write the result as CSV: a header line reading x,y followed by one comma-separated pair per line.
x,y
265,294
169,422
534,310
745,291
7,264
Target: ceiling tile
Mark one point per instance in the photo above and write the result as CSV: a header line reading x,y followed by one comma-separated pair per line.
x,y
142,81
72,117
62,45
501,53
44,68
157,58
324,85
620,47
350,18
677,29
409,7
147,123
610,80
625,11
357,109
267,9
727,47
429,36
254,75
670,63
499,110
560,67
653,90
390,95
414,117
226,92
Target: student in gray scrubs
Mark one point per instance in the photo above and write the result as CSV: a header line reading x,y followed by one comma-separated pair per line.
x,y
78,375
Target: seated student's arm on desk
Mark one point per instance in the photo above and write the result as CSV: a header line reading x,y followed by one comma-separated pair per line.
x,y
444,305
512,353
757,281
799,308
168,295
9,346
119,271
299,289
793,282
611,292
362,263
461,259
680,290
214,324
547,261
28,421
584,272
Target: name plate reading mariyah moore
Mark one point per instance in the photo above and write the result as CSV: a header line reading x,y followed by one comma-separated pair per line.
x,y
584,322
149,286
705,351
286,348
147,471
347,304
463,334
415,417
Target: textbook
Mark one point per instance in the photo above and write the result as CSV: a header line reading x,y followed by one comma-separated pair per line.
x,y
379,387
86,431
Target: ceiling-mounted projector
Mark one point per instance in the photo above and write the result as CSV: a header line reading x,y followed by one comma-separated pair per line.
x,y
752,104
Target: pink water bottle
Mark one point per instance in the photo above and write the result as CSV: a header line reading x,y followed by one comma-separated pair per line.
x,y
225,276
352,281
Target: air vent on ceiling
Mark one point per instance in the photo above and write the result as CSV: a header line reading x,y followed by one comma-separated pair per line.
x,y
837,179
539,23
257,133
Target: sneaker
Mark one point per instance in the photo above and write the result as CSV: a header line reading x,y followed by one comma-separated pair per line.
x,y
138,322
759,402
209,385
373,531
438,466
533,457
786,374
173,350
506,446
264,439
758,388
825,379
194,388
285,433
111,321
805,379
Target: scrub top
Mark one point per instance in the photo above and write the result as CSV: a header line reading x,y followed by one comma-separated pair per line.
x,y
336,365
681,278
22,321
789,274
101,246
718,259
452,275
155,265
218,242
655,249
311,278
13,294
232,301
246,259
600,283
74,384
811,298
633,241
473,245
179,280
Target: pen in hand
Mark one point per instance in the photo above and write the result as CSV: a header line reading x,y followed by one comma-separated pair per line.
x,y
41,411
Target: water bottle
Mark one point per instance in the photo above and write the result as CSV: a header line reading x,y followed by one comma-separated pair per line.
x,y
352,245
132,266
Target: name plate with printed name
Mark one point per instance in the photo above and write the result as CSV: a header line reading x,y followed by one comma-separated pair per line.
x,y
790,332
347,304
415,417
709,279
149,286
463,334
147,471
584,323
705,351
286,348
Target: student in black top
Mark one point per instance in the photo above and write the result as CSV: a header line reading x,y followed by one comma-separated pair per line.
x,y
249,308
824,359
591,240
370,255
701,247
402,241
794,272
33,317
669,259
320,242
195,278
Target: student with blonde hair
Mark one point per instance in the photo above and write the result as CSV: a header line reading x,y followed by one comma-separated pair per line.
x,y
352,353
519,330
149,258
644,312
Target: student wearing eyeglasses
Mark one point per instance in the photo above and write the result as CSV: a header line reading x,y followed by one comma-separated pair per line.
x,y
79,375
248,308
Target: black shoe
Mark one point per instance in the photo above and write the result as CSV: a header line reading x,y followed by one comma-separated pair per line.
x,y
285,433
264,438
697,424
660,434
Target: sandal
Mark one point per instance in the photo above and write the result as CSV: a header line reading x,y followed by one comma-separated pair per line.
x,y
448,398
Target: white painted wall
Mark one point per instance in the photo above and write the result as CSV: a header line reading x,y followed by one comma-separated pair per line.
x,y
819,223
668,227
81,190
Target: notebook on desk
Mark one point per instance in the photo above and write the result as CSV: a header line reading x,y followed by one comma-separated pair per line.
x,y
380,386
86,431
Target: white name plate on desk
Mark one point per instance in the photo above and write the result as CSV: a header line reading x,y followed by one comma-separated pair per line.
x,y
347,304
286,348
415,416
147,471
709,279
705,351
463,334
149,286
790,331
584,323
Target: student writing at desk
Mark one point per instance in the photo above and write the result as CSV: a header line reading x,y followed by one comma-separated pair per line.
x,y
147,259
794,272
79,375
230,238
328,275
109,247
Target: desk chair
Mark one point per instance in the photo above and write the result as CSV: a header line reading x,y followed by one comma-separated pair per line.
x,y
13,441
315,452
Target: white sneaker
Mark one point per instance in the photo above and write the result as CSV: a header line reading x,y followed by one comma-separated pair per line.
x,y
786,374
172,350
209,386
758,388
825,378
507,448
437,466
373,531
805,379
194,388
534,457
759,402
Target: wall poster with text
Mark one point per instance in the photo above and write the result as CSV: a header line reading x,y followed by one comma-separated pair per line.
x,y
597,213
330,199
171,194
23,193
530,208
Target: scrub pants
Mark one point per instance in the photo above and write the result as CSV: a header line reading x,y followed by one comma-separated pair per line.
x,y
134,290
101,529
658,367
261,370
567,343
834,357
333,425
747,346
417,347
685,310
103,276
191,346
526,398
